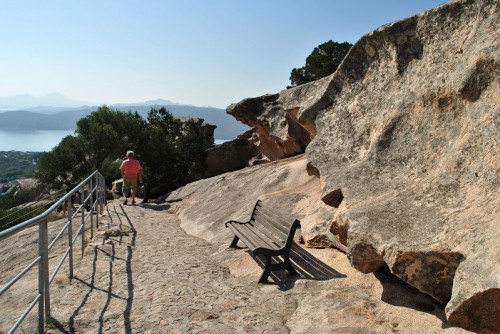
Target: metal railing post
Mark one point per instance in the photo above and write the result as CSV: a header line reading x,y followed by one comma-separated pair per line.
x,y
98,189
82,216
103,194
43,275
91,205
70,236
41,312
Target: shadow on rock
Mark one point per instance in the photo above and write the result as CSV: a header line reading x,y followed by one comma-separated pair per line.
x,y
398,293
156,207
307,265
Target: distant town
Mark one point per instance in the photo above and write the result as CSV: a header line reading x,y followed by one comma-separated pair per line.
x,y
17,165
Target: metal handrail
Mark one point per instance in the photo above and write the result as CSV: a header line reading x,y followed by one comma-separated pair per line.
x,y
96,198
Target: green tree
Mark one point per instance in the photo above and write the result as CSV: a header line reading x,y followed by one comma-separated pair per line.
x,y
109,132
191,151
178,151
322,61
101,138
158,163
170,150
66,160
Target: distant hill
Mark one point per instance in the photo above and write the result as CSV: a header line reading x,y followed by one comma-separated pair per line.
x,y
60,118
24,101
157,102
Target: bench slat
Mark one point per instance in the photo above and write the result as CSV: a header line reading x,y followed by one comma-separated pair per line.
x,y
250,237
259,239
280,229
276,238
240,230
278,219
266,228
273,214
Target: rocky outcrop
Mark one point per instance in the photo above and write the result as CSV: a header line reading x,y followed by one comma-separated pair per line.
x,y
231,155
278,133
405,140
283,184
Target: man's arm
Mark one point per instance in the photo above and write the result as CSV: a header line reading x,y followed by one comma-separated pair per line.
x,y
140,175
122,167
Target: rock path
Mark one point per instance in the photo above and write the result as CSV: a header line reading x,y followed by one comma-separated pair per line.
x,y
146,275
149,276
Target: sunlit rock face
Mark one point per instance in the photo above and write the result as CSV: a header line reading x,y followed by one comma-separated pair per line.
x,y
405,140
410,140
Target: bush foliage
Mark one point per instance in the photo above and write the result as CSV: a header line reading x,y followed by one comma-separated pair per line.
x,y
322,62
169,150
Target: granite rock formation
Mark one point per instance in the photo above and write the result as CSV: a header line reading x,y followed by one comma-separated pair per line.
x,y
231,155
284,184
278,134
404,137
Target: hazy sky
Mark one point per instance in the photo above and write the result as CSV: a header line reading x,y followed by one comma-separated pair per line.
x,y
200,52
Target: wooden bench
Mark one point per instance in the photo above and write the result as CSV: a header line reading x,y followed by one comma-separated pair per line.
x,y
269,234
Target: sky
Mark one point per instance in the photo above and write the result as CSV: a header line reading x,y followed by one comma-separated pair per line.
x,y
198,52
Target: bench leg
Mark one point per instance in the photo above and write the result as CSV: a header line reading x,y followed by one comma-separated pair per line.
x,y
267,270
235,241
288,266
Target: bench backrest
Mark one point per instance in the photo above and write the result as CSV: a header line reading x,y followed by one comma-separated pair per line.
x,y
276,227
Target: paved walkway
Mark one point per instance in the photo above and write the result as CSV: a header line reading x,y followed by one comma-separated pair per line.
x,y
148,276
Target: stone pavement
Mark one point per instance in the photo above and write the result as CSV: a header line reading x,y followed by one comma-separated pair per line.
x,y
146,275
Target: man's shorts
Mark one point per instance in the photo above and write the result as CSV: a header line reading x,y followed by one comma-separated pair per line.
x,y
130,183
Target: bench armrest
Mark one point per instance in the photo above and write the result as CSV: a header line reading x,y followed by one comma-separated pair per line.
x,y
251,215
234,221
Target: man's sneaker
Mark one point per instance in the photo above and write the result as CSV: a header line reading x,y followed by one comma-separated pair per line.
x,y
125,203
133,202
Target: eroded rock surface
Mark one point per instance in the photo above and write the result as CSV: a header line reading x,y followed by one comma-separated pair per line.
x,y
278,133
284,184
406,142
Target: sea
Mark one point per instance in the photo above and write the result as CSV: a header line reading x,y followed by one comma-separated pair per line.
x,y
38,140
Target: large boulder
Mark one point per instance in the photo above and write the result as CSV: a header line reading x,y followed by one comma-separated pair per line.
x,y
405,140
407,147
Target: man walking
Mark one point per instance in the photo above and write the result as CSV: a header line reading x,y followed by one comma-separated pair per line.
x,y
130,169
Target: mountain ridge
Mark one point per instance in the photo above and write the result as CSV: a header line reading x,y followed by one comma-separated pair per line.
x,y
27,101
65,118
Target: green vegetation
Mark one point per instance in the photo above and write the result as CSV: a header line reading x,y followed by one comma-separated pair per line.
x,y
15,165
171,151
9,217
322,62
